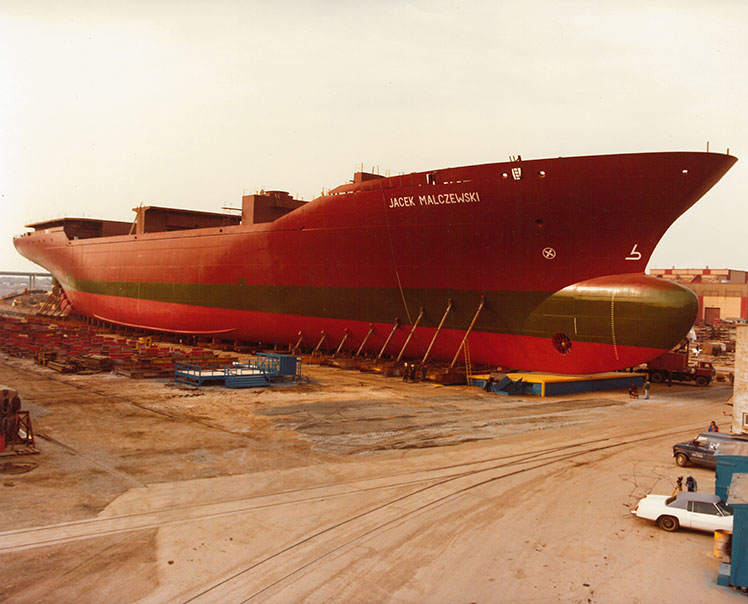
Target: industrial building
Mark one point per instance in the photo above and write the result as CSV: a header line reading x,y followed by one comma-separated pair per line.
x,y
722,292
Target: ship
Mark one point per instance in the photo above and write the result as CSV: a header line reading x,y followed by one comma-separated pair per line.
x,y
526,264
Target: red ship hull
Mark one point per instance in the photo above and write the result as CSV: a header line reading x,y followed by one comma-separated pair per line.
x,y
555,248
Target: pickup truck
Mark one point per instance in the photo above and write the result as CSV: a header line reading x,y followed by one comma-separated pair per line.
x,y
700,450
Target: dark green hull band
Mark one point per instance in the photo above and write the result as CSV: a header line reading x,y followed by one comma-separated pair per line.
x,y
608,316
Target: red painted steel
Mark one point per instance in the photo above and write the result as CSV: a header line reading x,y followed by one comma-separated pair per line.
x,y
538,225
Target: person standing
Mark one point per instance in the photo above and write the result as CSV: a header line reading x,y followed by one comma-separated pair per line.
x,y
691,485
713,427
647,385
678,486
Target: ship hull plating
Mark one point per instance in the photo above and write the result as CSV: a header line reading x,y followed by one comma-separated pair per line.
x,y
555,248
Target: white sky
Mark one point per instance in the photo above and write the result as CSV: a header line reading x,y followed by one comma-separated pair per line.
x,y
106,105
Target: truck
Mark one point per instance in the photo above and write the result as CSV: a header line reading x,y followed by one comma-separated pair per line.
x,y
674,366
699,451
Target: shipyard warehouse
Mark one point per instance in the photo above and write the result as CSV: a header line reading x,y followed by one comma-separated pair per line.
x,y
344,400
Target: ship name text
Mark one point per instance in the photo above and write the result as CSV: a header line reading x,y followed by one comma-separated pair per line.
x,y
438,199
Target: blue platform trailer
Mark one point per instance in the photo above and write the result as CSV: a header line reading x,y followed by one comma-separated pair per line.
x,y
268,368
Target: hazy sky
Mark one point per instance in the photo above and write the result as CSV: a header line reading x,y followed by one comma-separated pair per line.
x,y
106,105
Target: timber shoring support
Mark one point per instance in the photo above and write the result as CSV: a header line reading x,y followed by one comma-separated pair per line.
x,y
389,337
360,348
467,333
340,346
436,333
410,335
298,343
322,339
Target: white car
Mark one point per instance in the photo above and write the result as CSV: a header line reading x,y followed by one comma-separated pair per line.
x,y
698,511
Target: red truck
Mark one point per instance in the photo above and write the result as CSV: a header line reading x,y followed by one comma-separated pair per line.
x,y
674,366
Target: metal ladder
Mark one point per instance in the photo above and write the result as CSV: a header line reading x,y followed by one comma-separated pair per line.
x,y
469,329
468,364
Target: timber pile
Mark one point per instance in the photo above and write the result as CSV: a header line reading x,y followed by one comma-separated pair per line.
x,y
205,358
722,332
56,304
717,343
156,362
72,347
150,362
95,362
64,366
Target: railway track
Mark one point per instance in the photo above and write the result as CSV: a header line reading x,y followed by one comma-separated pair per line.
x,y
412,494
238,588
288,538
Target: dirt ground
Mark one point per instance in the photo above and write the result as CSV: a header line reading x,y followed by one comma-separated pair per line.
x,y
350,487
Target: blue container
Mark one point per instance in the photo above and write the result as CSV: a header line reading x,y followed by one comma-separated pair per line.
x,y
732,458
280,364
738,501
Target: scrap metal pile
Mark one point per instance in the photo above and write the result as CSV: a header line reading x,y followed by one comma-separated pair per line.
x,y
15,424
70,347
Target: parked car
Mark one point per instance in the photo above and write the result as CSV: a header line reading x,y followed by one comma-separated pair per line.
x,y
698,511
700,450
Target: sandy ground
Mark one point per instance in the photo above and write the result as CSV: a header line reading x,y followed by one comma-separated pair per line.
x,y
349,488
